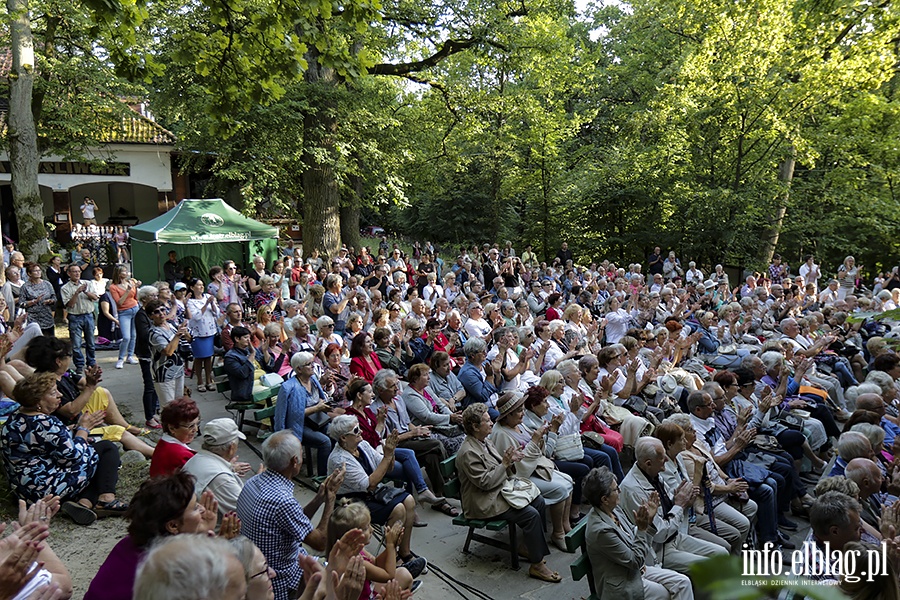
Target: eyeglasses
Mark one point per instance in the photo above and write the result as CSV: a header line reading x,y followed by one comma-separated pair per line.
x,y
265,571
159,311
195,425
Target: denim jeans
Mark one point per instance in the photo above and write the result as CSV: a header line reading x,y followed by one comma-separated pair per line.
x,y
767,512
407,467
126,324
606,454
322,444
81,332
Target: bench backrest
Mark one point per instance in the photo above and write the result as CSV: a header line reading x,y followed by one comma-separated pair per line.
x,y
451,480
581,567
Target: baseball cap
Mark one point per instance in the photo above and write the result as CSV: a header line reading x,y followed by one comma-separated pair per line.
x,y
221,431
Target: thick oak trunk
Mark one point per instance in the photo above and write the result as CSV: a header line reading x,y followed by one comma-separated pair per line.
x,y
322,196
350,213
23,147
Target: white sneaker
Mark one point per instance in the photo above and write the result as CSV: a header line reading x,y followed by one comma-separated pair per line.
x,y
120,364
132,360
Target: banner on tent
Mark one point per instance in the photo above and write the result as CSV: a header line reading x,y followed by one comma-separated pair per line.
x,y
231,236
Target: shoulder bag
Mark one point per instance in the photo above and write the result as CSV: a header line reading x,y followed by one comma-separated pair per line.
x,y
569,447
519,492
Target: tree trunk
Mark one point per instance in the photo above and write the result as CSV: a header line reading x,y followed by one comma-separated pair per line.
x,y
322,197
23,148
350,214
785,176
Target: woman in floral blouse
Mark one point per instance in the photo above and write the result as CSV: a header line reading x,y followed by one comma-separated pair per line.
x,y
43,458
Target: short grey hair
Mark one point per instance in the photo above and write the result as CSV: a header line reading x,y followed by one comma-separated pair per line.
x,y
289,304
341,426
524,332
324,321
771,360
145,291
855,391
597,484
853,444
301,359
220,449
873,433
683,420
646,448
187,566
567,367
266,280
272,329
299,320
588,362
379,382
245,551
882,380
831,509
710,387
331,279
473,346
555,325
280,448
837,484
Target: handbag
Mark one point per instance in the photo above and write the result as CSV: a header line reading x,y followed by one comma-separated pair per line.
x,y
767,442
789,420
450,431
271,379
519,492
592,439
385,494
749,472
636,404
569,447
318,420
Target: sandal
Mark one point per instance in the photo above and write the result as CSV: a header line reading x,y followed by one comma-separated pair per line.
x,y
446,508
418,523
138,431
552,577
153,424
79,513
113,508
201,388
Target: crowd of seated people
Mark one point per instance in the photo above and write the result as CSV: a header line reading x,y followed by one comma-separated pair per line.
x,y
676,416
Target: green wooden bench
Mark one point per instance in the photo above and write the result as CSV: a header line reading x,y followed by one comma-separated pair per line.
x,y
269,413
581,567
452,490
262,398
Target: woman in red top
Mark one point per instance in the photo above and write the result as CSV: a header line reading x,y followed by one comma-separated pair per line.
x,y
180,422
554,301
361,395
363,360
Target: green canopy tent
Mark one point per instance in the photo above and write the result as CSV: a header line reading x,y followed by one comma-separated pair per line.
x,y
203,233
